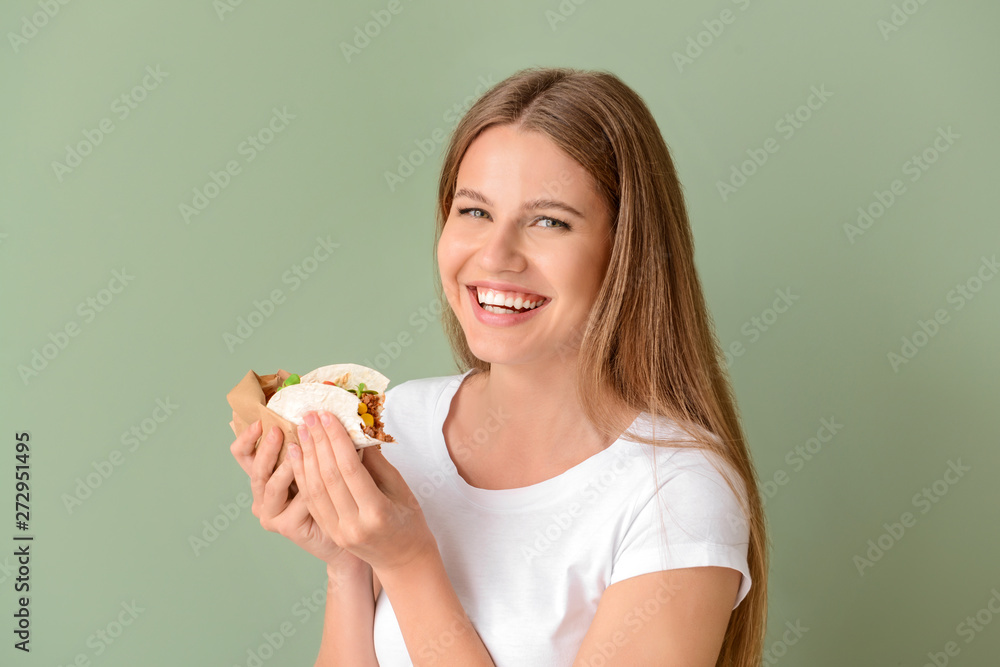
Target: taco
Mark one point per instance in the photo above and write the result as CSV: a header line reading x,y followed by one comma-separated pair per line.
x,y
354,394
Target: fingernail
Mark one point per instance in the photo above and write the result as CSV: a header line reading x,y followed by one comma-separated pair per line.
x,y
272,435
293,452
257,424
326,418
311,419
303,434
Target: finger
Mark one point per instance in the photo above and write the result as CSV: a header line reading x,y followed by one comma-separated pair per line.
x,y
388,479
242,447
356,477
329,466
310,482
297,510
276,492
263,463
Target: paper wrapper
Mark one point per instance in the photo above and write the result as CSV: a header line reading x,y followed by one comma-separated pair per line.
x,y
249,402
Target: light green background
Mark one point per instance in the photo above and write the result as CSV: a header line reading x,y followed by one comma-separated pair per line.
x,y
324,176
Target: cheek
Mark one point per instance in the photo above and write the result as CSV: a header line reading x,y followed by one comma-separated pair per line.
x,y
449,260
444,253
581,274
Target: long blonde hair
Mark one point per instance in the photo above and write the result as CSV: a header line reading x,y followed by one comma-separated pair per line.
x,y
651,343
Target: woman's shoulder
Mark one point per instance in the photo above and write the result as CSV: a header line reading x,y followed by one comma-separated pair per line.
x,y
683,461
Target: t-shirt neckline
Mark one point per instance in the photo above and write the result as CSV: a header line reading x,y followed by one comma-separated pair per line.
x,y
549,490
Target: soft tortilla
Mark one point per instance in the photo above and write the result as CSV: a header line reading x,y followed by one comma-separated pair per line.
x,y
349,375
294,401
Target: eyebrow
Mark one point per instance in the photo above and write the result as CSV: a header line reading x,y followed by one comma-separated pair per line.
x,y
526,206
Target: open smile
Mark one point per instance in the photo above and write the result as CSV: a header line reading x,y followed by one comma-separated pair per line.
x,y
504,307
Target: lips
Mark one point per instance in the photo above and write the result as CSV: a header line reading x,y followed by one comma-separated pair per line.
x,y
490,306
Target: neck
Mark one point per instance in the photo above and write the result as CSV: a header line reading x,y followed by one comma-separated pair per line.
x,y
536,405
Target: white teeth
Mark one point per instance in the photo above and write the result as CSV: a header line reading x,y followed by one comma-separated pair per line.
x,y
501,302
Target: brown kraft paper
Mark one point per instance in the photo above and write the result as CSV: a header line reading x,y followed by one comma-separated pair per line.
x,y
249,402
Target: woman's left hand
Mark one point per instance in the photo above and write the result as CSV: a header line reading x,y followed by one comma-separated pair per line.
x,y
365,507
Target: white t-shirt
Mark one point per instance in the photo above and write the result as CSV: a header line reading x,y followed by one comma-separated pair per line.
x,y
530,564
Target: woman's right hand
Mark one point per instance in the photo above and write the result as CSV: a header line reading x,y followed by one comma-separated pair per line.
x,y
271,505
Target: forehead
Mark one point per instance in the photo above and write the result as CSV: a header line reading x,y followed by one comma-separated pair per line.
x,y
507,162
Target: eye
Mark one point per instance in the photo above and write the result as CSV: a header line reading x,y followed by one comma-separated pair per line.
x,y
464,211
559,224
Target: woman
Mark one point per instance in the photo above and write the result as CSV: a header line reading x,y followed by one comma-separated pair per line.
x,y
519,520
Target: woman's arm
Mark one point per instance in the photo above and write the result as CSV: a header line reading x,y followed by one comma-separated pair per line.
x,y
367,508
349,620
433,622
376,586
671,618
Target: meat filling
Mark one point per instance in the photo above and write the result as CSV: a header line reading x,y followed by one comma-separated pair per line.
x,y
377,430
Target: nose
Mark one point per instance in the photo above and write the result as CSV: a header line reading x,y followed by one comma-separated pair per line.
x,y
501,249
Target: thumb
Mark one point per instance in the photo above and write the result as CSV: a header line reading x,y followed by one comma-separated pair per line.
x,y
387,478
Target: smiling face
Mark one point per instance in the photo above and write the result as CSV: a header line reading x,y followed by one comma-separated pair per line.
x,y
527,229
